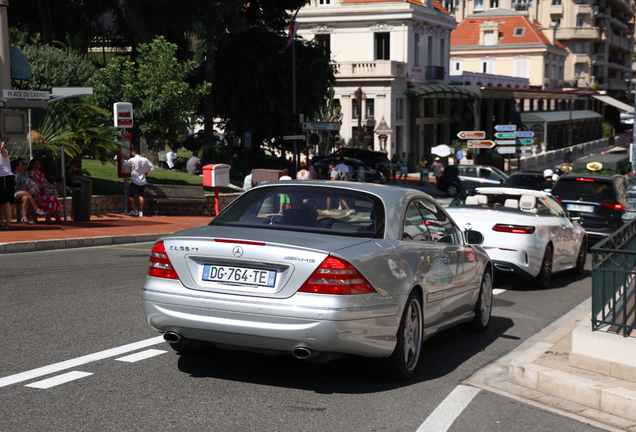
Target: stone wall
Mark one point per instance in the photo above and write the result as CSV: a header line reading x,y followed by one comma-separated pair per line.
x,y
101,204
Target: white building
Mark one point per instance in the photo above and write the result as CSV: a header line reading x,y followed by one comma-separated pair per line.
x,y
382,47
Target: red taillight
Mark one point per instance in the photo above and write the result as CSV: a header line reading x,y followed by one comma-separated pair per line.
x,y
160,265
584,179
336,276
515,229
613,206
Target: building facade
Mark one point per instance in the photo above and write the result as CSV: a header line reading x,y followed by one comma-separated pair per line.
x,y
380,48
505,42
598,35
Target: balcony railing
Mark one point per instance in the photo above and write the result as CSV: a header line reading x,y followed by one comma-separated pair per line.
x,y
435,72
577,33
370,69
613,278
617,84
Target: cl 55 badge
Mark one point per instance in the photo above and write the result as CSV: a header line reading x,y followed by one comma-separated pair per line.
x,y
183,248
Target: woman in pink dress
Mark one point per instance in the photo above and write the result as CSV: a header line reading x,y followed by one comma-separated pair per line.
x,y
50,203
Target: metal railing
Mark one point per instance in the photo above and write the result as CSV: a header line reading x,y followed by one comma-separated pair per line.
x,y
613,280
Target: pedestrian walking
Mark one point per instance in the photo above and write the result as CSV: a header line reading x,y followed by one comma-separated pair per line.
x,y
7,188
404,169
438,168
422,166
140,167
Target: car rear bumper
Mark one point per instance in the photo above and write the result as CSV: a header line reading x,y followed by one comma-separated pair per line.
x,y
503,267
366,331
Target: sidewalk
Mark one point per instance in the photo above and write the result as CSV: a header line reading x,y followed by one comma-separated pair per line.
x,y
539,373
106,229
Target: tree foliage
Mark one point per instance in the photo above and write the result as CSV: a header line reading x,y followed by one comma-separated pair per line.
x,y
260,97
52,67
156,84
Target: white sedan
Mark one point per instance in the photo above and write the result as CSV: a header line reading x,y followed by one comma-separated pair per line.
x,y
526,232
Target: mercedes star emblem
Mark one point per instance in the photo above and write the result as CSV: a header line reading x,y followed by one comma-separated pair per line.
x,y
237,251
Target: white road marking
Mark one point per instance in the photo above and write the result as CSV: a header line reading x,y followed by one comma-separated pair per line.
x,y
141,355
497,291
60,379
445,414
68,364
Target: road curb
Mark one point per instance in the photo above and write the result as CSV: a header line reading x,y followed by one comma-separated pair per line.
x,y
47,245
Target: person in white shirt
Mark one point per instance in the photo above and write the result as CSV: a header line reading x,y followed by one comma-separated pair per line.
x,y
303,173
140,167
171,159
247,182
344,169
7,188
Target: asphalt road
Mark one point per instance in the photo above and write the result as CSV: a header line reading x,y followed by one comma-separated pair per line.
x,y
65,312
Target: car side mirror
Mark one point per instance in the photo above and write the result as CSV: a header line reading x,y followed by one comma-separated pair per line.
x,y
473,237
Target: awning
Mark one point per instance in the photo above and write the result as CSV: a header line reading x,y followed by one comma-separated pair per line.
x,y
20,68
444,91
615,103
556,116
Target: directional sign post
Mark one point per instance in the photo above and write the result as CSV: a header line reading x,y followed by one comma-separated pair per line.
x,y
324,126
505,142
525,141
294,137
506,128
471,135
480,144
505,135
513,150
525,134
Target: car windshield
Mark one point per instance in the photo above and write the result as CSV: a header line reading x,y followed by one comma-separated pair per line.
x,y
587,189
318,209
481,199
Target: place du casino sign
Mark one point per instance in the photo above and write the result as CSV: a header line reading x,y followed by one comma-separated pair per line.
x,y
25,94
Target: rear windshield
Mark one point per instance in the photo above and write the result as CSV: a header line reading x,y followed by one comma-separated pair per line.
x,y
319,209
584,190
525,181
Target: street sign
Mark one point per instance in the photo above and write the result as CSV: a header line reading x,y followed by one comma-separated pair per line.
x,y
526,141
505,142
505,135
506,128
324,126
294,137
511,150
471,135
481,144
525,134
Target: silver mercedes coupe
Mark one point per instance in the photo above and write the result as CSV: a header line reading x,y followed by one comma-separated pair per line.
x,y
320,269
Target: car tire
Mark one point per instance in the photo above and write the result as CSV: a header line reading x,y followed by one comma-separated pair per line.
x,y
452,190
190,346
545,273
580,260
483,308
403,362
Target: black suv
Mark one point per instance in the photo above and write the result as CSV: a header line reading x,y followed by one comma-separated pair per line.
x,y
459,177
599,200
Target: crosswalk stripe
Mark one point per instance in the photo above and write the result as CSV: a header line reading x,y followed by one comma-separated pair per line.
x,y
60,379
141,355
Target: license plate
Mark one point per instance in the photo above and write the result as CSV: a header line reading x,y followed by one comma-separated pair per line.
x,y
580,208
239,275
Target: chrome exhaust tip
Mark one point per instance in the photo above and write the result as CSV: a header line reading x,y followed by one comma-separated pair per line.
x,y
172,337
303,353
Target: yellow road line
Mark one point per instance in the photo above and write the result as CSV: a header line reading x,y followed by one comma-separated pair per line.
x,y
109,247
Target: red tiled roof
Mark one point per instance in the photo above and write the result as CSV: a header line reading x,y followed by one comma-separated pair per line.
x,y
436,3
467,32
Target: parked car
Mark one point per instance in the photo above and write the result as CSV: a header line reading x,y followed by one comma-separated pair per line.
x,y
526,232
375,280
375,159
361,172
526,180
599,200
457,178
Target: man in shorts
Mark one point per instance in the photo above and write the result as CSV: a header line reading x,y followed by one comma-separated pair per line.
x,y
140,167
